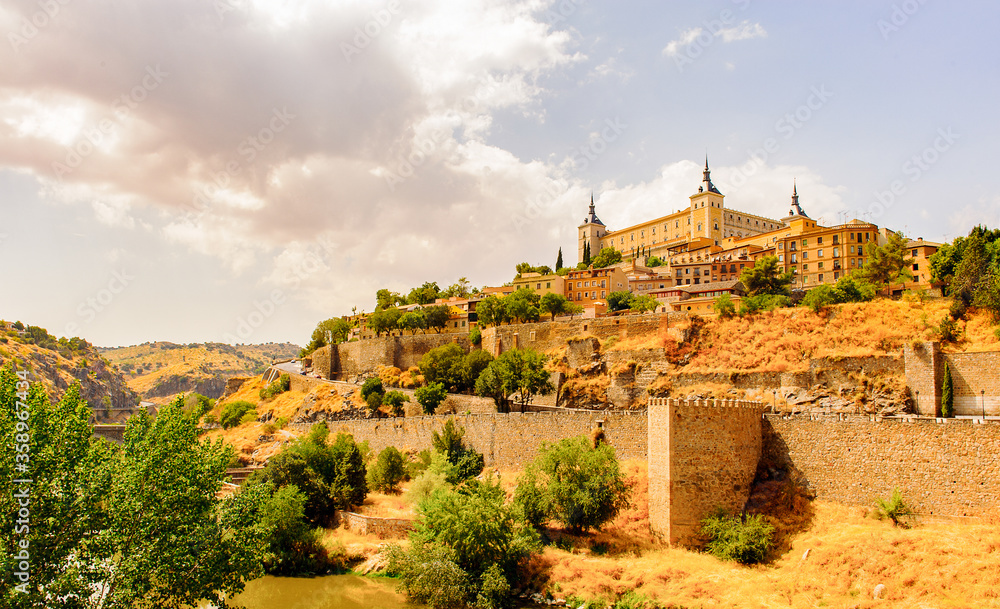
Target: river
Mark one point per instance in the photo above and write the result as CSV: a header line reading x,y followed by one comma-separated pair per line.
x,y
328,592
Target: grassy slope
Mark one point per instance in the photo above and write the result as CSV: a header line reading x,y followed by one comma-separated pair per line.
x,y
161,361
785,339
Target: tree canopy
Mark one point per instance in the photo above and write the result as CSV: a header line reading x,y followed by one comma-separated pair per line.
x,y
887,264
519,374
608,256
765,278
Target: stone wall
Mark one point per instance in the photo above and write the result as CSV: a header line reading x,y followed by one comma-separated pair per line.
x,y
365,356
506,440
942,466
383,528
703,455
975,380
548,335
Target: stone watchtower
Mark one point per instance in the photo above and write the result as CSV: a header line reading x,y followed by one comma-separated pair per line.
x,y
707,217
590,233
703,456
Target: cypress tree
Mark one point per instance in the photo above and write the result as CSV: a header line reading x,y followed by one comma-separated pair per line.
x,y
559,262
586,253
947,394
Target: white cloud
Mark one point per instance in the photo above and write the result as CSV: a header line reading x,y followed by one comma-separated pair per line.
x,y
743,31
674,47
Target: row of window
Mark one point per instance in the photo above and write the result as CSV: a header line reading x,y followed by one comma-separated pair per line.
x,y
585,295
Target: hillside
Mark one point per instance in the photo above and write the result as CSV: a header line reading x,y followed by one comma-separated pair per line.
x,y
58,363
160,370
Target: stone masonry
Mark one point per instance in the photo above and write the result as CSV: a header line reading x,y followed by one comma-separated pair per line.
x,y
974,377
703,456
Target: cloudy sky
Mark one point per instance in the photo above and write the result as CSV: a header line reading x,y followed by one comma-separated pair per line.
x,y
213,170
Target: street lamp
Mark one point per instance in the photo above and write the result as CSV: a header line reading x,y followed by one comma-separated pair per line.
x,y
774,402
916,401
982,400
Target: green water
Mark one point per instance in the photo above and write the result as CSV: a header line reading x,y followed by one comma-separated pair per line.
x,y
329,592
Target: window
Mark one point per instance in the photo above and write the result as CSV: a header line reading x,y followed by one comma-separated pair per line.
x,y
852,261
819,253
579,284
781,245
805,267
463,323
602,283
916,267
820,277
602,293
836,239
852,249
820,265
794,258
781,257
819,241
548,284
914,253
836,252
538,286
836,276
805,255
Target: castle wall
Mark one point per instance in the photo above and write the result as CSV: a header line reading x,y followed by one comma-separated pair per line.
x,y
943,466
365,356
703,456
975,381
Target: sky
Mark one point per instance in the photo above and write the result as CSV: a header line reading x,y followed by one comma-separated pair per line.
x,y
238,170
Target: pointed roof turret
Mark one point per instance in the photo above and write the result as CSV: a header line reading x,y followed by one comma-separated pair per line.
x,y
706,180
796,210
591,215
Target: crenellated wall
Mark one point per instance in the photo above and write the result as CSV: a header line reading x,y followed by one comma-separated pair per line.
x,y
703,455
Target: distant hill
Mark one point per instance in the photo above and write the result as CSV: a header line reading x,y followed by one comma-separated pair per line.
x,y
59,362
158,371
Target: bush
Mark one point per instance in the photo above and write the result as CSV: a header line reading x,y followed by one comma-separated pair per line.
x,y
249,416
819,298
395,400
958,309
389,470
293,547
894,509
724,306
418,464
475,336
428,574
430,397
233,412
745,541
372,393
280,385
494,590
574,483
466,462
424,485
763,302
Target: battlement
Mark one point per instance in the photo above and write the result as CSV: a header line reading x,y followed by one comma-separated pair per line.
x,y
678,403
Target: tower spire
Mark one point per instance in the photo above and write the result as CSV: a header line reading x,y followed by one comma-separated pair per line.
x,y
706,179
796,210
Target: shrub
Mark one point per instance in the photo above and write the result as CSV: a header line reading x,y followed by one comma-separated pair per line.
x,y
475,336
424,485
293,548
249,416
428,574
280,422
233,412
418,464
947,394
494,590
372,393
894,509
430,397
819,298
395,400
574,483
466,462
634,600
763,302
957,309
745,541
724,306
280,385
388,471
948,330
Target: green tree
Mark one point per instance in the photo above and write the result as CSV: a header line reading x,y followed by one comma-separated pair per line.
x,y
491,311
395,400
559,260
475,335
819,298
519,373
425,294
473,365
608,256
724,306
384,299
436,317
887,264
522,305
574,483
851,288
292,547
466,463
947,394
586,255
389,470
553,304
744,540
619,301
654,261
443,365
643,303
429,575
372,393
412,321
330,331
233,413
461,289
430,397
385,320
765,278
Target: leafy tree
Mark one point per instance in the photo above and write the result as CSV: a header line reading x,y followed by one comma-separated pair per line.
x,y
765,278
473,365
519,373
479,527
947,394
425,294
475,335
553,304
522,305
385,320
573,309
430,396
384,299
292,547
574,483
946,261
619,301
608,256
461,289
412,321
763,302
851,288
429,575
330,331
744,540
437,317
887,264
372,393
724,306
559,260
491,311
395,400
389,470
654,261
643,303
443,365
466,463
